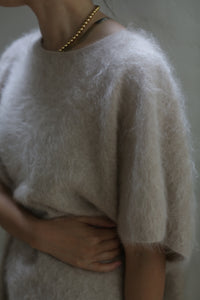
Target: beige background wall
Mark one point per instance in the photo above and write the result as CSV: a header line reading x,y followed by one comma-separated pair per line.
x,y
176,24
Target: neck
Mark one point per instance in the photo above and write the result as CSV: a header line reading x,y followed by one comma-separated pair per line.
x,y
60,20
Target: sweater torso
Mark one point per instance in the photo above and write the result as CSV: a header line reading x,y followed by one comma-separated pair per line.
x,y
58,128
98,130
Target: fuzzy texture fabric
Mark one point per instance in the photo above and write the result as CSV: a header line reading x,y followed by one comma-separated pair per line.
x,y
96,131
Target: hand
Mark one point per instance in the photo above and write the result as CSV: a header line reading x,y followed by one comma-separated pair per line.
x,y
76,241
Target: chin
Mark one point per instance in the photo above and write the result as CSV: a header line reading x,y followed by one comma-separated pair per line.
x,y
12,3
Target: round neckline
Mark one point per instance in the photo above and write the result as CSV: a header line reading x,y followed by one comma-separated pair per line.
x,y
82,49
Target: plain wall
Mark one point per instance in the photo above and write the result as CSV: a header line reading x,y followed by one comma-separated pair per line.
x,y
176,25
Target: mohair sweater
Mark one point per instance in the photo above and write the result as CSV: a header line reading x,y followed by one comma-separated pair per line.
x,y
96,131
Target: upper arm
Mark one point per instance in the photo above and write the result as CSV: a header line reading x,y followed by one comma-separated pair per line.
x,y
144,272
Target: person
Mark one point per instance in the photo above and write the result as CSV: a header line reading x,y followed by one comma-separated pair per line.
x,y
94,209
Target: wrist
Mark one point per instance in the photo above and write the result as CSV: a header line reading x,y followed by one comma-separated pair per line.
x,y
31,228
33,233
16,219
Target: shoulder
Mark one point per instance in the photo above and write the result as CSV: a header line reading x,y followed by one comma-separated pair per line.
x,y
143,51
142,59
13,52
17,48
148,78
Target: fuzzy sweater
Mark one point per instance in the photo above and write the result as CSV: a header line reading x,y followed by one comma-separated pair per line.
x,y
96,131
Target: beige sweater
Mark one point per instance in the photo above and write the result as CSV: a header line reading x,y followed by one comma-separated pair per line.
x,y
100,130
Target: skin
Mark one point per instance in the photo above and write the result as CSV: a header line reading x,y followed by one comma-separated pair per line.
x,y
80,241
64,238
59,20
144,272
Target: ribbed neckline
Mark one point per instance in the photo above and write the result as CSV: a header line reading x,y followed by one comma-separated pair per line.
x,y
107,39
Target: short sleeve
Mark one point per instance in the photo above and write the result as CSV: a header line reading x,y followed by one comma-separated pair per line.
x,y
12,52
156,171
7,59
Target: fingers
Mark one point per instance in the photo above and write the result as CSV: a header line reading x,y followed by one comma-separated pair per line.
x,y
97,221
109,245
109,255
96,258
105,234
104,267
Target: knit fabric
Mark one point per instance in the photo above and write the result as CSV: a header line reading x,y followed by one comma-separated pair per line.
x,y
96,131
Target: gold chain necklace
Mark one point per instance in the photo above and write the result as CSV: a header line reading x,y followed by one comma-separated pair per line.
x,y
88,19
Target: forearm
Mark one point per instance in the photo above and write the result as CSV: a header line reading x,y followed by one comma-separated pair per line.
x,y
144,274
15,219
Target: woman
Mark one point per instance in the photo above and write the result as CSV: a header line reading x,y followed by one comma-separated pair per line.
x,y
93,135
